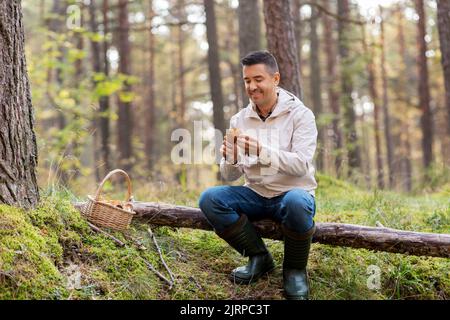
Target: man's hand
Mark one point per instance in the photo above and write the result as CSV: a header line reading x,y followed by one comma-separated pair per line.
x,y
250,145
229,150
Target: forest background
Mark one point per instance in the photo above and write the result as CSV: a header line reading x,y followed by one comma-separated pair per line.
x,y
109,92
112,83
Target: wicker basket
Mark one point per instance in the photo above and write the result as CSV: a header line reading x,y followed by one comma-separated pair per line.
x,y
110,213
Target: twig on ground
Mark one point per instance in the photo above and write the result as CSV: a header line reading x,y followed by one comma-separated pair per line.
x,y
97,229
172,276
152,268
141,247
138,243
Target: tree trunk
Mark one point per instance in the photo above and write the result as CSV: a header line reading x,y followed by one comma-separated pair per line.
x,y
73,148
97,67
173,115
56,25
316,86
376,109
104,101
387,118
349,117
282,43
337,234
214,74
125,121
181,67
333,94
181,174
79,40
366,150
231,39
298,27
444,39
18,149
249,33
42,13
101,119
150,122
402,96
426,121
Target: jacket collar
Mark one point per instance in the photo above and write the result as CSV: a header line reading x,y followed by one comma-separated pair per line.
x,y
286,101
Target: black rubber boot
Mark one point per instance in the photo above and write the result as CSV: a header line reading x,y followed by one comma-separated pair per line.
x,y
296,252
243,237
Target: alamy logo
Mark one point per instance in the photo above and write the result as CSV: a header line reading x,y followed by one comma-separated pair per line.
x,y
192,149
374,279
74,17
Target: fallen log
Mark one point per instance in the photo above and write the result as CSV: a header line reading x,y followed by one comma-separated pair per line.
x,y
336,234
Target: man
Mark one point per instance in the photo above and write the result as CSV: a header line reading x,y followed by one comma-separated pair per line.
x,y
274,151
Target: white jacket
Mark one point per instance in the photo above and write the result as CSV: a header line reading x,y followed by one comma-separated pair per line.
x,y
288,138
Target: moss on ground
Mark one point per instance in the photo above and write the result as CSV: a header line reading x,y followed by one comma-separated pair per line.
x,y
51,253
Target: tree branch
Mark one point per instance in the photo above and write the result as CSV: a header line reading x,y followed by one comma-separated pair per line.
x,y
336,234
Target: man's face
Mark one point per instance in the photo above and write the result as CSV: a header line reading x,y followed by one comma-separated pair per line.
x,y
260,85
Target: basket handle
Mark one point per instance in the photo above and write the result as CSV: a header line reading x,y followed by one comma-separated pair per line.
x,y
100,187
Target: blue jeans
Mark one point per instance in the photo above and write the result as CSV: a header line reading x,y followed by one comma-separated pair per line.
x,y
223,205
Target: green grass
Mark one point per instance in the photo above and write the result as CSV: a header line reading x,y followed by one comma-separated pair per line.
x,y
45,251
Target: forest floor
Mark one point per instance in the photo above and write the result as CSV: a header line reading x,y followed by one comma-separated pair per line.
x,y
51,253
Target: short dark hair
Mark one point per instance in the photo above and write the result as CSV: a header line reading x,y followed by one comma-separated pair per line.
x,y
263,57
